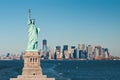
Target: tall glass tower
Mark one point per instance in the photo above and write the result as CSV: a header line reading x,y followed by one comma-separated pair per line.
x,y
44,45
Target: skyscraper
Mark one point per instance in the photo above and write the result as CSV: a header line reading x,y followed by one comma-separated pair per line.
x,y
45,50
90,52
58,52
82,51
74,52
98,53
65,48
81,47
51,54
107,56
99,49
58,48
45,45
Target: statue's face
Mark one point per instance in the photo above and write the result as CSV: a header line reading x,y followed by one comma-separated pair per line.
x,y
32,21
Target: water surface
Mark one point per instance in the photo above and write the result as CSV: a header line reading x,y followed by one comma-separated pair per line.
x,y
66,69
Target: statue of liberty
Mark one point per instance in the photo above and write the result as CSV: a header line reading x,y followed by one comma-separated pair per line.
x,y
32,34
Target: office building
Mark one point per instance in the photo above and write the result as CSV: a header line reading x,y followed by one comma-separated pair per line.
x,y
65,48
58,48
81,47
44,45
90,52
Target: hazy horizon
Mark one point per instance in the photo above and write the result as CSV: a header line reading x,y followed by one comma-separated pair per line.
x,y
71,22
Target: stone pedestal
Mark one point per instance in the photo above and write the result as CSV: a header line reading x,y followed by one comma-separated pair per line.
x,y
32,69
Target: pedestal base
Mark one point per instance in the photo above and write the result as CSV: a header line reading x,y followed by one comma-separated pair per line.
x,y
32,69
32,77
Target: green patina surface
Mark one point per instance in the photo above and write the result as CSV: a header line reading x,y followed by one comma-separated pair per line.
x,y
32,35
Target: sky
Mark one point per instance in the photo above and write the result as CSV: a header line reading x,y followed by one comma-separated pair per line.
x,y
71,22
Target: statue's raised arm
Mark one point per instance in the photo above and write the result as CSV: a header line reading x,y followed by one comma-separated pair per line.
x,y
29,21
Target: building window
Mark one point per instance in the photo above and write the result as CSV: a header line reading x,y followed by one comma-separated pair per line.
x,y
30,59
34,74
35,59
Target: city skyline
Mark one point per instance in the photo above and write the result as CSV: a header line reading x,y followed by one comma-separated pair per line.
x,y
61,22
